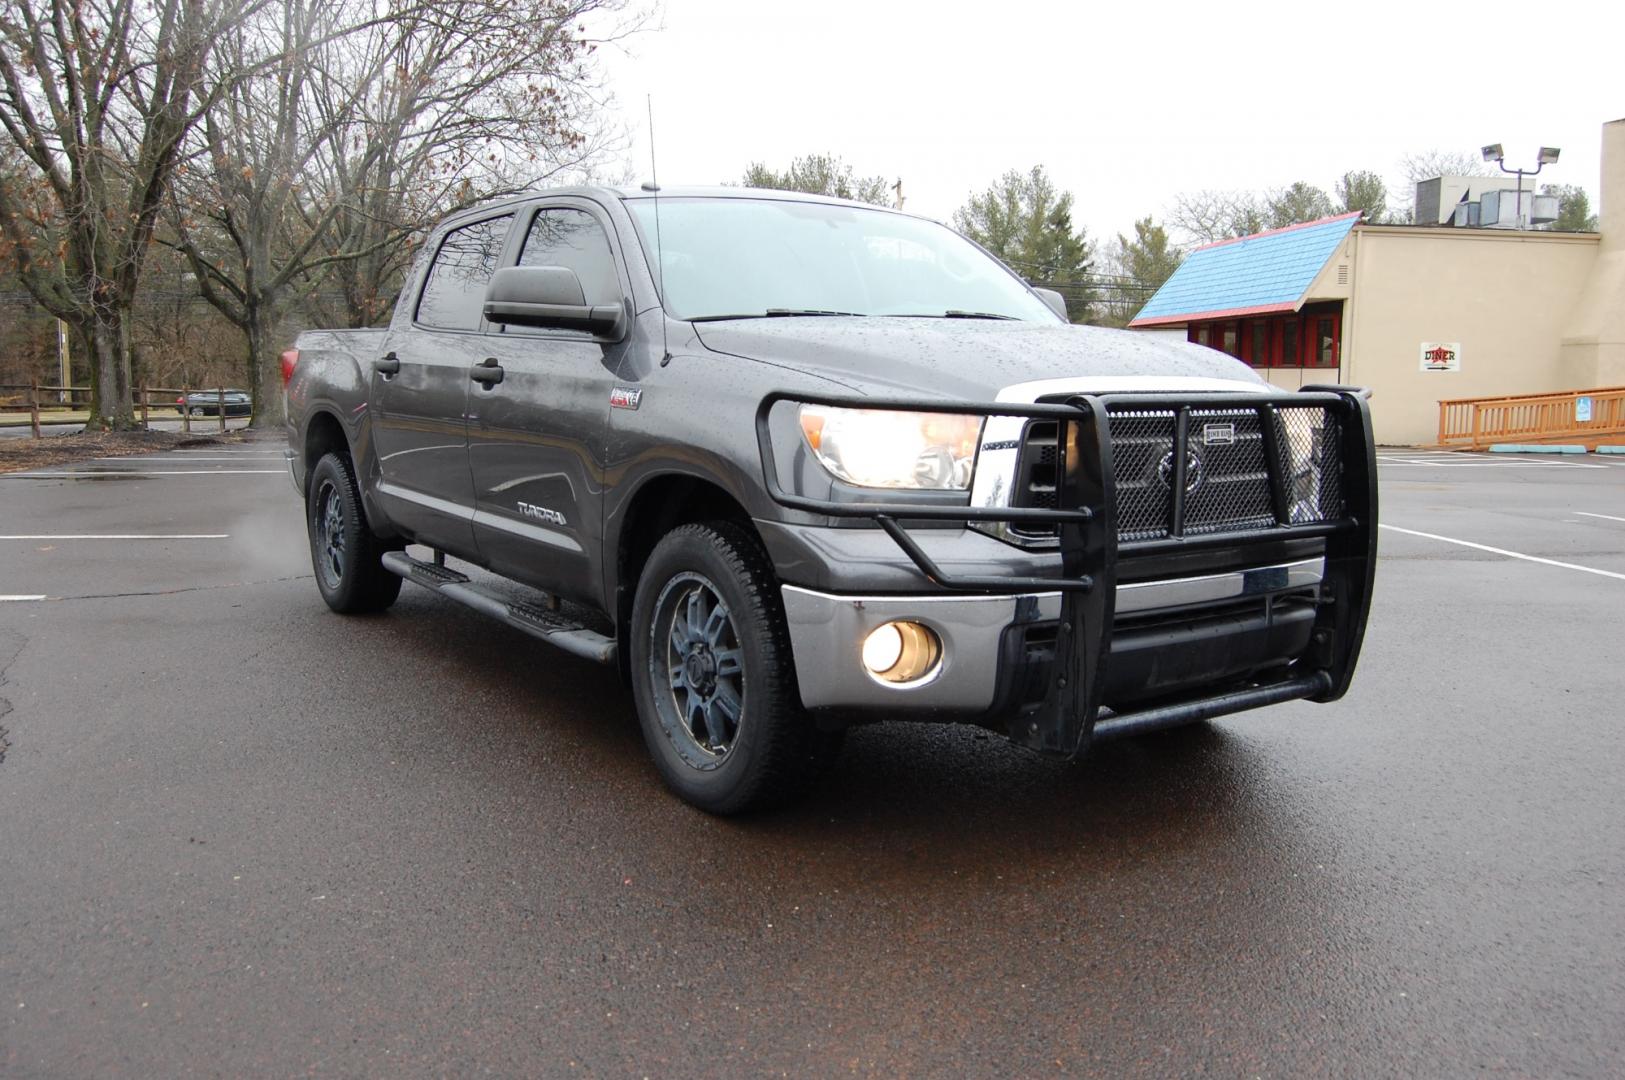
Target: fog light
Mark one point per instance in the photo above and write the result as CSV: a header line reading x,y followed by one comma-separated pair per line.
x,y
901,652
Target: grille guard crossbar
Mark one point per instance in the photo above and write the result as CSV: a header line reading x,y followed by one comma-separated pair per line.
x,y
1084,518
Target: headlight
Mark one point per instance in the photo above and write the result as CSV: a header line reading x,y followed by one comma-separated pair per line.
x,y
890,449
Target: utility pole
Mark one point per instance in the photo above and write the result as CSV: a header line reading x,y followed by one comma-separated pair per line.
x,y
898,188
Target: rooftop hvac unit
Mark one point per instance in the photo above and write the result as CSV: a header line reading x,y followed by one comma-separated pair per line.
x,y
1501,209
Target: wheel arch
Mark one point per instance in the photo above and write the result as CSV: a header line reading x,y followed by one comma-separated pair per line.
x,y
324,434
661,503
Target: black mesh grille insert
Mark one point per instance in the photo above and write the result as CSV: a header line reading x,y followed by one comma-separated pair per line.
x,y
1228,479
1227,470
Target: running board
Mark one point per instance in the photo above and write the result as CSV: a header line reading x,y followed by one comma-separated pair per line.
x,y
531,619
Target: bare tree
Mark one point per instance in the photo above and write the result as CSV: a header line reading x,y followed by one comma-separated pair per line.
x,y
99,95
361,131
1426,164
463,122
1208,216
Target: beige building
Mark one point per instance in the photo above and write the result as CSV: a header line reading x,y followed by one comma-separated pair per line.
x,y
1416,313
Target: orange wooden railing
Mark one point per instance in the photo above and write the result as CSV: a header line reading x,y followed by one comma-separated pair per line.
x,y
1535,418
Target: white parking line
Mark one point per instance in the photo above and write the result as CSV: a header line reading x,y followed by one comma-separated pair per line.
x,y
1393,462
1605,517
1504,551
145,472
40,596
123,536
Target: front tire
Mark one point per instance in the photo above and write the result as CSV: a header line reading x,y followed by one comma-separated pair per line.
x,y
713,675
347,557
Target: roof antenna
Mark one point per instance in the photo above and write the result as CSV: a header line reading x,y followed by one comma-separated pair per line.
x,y
653,187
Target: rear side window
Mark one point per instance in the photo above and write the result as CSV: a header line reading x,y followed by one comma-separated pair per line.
x,y
574,239
454,294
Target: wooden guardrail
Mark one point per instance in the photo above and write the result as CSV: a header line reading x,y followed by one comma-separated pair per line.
x,y
1564,416
168,397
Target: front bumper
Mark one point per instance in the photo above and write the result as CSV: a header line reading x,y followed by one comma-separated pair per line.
x,y
1057,680
986,640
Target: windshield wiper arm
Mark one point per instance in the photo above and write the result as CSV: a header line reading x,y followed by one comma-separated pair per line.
x,y
952,314
778,313
792,313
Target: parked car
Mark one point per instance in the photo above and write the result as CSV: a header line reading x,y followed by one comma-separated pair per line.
x,y
207,403
801,463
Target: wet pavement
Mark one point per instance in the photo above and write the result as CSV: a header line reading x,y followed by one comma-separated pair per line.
x,y
244,836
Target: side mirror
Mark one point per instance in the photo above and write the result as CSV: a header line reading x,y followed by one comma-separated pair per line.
x,y
1056,302
549,296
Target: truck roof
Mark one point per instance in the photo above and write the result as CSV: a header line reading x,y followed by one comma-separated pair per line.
x,y
688,191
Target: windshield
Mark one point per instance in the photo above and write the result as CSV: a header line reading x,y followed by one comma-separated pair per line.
x,y
752,258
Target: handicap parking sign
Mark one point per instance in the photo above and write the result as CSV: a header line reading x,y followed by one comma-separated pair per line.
x,y
1582,410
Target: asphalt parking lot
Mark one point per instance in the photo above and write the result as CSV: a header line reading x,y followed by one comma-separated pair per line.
x,y
243,836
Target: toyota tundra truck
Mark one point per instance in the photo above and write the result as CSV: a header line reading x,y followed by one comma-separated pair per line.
x,y
793,464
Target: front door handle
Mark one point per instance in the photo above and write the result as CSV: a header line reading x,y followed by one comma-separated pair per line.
x,y
389,365
488,371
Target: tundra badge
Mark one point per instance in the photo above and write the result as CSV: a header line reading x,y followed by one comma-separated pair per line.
x,y
530,510
625,397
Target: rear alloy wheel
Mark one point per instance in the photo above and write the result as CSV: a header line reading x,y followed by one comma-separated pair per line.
x,y
346,556
713,675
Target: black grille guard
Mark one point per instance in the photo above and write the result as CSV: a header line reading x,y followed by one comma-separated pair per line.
x,y
1072,713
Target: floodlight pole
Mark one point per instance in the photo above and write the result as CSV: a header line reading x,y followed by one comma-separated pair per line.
x,y
1521,173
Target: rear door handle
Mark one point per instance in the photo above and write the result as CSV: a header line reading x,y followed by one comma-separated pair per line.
x,y
389,365
488,371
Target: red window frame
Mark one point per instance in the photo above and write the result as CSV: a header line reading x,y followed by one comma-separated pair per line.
x,y
1255,342
1324,341
1277,341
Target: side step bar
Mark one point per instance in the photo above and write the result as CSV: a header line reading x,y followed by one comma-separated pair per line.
x,y
531,619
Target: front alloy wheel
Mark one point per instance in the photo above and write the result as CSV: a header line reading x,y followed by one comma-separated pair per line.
x,y
713,675
703,665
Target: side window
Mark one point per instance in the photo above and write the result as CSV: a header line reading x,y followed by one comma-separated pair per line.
x,y
574,239
454,294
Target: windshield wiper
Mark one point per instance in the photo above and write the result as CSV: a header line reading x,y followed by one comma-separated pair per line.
x,y
778,313
952,314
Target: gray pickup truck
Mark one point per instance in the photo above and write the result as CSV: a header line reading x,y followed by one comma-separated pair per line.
x,y
794,463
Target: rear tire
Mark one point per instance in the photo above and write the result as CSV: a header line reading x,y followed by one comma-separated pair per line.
x,y
713,675
347,557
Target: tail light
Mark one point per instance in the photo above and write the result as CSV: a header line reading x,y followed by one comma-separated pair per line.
x,y
290,360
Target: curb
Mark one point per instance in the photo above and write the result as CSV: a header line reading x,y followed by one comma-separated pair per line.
x,y
1535,448
1611,449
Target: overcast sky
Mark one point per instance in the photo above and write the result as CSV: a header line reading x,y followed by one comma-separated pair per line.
x,y
1125,105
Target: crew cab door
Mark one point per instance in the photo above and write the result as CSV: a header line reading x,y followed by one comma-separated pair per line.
x,y
420,389
536,438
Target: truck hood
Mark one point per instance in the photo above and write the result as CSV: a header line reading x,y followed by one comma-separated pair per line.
x,y
974,359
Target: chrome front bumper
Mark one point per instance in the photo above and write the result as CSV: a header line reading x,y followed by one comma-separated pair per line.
x,y
827,633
